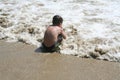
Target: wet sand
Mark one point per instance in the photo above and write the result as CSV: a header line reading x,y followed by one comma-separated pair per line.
x,y
20,62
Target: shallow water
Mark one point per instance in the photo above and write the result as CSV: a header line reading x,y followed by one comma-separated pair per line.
x,y
92,26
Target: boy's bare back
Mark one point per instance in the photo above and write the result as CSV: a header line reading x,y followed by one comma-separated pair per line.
x,y
51,35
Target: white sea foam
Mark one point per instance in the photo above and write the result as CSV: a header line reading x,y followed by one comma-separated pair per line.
x,y
92,26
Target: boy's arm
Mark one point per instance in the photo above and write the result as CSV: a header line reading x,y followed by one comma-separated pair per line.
x,y
63,34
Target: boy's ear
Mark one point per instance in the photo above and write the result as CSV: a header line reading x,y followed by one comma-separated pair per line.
x,y
60,23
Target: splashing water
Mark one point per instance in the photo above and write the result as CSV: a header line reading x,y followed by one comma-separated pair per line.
x,y
92,26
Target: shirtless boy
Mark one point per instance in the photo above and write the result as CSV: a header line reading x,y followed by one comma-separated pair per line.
x,y
54,34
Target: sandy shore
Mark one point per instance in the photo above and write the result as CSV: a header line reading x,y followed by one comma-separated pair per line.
x,y
20,62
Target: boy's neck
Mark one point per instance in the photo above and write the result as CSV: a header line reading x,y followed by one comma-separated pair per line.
x,y
60,25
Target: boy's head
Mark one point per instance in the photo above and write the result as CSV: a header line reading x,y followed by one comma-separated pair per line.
x,y
57,20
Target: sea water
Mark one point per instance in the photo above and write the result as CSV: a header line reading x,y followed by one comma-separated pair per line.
x,y
92,26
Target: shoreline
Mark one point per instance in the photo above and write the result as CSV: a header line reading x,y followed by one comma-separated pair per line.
x,y
19,61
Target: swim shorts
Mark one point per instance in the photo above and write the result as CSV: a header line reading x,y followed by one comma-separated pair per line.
x,y
53,48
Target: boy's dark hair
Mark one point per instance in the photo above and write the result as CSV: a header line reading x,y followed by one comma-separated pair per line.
x,y
57,20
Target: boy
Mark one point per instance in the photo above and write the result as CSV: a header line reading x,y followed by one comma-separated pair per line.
x,y
53,35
